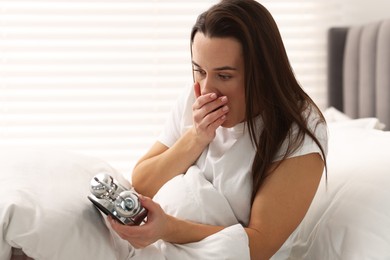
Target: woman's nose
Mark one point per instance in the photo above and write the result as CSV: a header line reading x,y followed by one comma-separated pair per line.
x,y
206,87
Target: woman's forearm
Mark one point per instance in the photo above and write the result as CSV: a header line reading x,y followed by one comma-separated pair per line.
x,y
182,231
151,173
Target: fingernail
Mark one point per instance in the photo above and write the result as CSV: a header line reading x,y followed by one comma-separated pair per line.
x,y
225,108
223,99
213,95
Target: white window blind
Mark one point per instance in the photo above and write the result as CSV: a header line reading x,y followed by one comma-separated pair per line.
x,y
303,25
99,77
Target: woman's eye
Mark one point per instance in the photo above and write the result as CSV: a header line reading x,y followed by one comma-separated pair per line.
x,y
224,76
201,72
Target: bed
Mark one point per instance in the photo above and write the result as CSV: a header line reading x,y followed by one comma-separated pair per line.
x,y
45,213
350,215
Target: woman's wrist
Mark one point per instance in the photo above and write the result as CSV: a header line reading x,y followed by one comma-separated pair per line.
x,y
170,229
199,140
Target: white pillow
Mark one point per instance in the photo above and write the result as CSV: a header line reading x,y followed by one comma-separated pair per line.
x,y
44,209
337,118
184,196
332,114
350,216
363,123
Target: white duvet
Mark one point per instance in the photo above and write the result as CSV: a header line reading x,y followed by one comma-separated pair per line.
x,y
44,210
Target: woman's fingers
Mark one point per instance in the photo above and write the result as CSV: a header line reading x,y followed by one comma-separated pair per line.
x,y
135,235
197,89
202,100
147,203
207,105
215,117
143,235
209,112
208,119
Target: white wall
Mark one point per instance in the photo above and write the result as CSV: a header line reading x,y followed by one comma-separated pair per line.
x,y
364,11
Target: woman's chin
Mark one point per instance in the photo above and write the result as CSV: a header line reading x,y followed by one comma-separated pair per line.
x,y
228,123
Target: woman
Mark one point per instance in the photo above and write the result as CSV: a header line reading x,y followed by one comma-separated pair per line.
x,y
244,90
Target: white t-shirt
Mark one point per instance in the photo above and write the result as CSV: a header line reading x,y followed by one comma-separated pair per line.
x,y
227,161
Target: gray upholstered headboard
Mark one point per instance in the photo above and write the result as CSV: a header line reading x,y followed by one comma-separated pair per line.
x,y
359,70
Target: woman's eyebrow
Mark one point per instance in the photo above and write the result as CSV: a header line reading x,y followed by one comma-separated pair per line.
x,y
225,68
195,64
217,69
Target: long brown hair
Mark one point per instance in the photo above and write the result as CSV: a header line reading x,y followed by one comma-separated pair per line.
x,y
270,85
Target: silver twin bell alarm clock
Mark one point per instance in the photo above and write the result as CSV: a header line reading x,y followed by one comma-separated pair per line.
x,y
113,199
